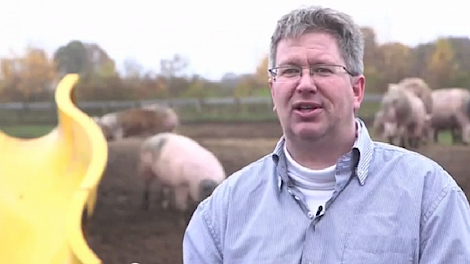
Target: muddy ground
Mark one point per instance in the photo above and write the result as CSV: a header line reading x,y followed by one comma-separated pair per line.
x,y
121,233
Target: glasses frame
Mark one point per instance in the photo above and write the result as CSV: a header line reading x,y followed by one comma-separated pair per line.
x,y
312,68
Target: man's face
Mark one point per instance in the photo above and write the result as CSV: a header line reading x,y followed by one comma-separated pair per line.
x,y
311,107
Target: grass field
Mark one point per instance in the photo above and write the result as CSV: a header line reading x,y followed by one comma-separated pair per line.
x,y
32,131
26,131
212,113
226,113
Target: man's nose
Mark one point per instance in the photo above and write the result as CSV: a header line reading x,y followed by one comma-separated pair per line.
x,y
306,83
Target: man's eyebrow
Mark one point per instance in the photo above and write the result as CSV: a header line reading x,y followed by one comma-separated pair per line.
x,y
319,61
311,62
289,63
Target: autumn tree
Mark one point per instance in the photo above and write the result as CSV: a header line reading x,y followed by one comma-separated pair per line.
x,y
461,49
262,71
246,85
87,59
30,74
71,58
196,88
442,67
99,77
132,69
100,63
173,72
252,84
370,46
33,75
392,64
371,59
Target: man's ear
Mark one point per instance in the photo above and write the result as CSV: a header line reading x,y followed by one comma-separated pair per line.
x,y
273,92
358,86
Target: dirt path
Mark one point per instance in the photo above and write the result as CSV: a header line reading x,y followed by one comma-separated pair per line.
x,y
121,233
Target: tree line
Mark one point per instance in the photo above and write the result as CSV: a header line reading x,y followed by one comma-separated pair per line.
x,y
34,75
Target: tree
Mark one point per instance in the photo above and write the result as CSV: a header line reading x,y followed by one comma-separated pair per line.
x,y
132,69
370,46
461,48
262,71
72,58
196,88
85,59
442,67
99,62
245,86
30,74
393,63
171,68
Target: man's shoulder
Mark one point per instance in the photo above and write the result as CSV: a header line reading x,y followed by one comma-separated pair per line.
x,y
404,157
412,166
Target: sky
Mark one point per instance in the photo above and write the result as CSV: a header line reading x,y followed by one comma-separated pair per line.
x,y
217,36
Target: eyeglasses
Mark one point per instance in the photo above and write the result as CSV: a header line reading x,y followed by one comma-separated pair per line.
x,y
290,73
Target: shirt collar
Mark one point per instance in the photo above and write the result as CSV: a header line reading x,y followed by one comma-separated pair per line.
x,y
362,152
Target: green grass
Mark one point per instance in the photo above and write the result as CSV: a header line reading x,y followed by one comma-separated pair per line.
x,y
445,138
33,131
35,123
27,131
368,109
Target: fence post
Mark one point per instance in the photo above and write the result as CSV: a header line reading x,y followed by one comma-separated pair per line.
x,y
238,105
199,104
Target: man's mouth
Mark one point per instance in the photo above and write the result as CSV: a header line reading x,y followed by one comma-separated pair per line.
x,y
306,106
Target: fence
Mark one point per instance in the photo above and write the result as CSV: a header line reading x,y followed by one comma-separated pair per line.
x,y
189,110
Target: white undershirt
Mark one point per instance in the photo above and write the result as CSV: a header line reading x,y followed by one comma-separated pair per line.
x,y
316,185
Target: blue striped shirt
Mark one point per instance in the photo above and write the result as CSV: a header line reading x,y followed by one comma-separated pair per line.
x,y
390,205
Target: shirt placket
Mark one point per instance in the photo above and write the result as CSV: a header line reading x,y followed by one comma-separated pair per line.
x,y
312,245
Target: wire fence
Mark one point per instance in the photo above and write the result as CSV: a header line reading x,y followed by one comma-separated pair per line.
x,y
190,110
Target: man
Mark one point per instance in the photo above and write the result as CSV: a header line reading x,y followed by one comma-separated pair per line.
x,y
328,193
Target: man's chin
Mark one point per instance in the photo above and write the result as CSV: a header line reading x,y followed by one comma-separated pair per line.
x,y
309,131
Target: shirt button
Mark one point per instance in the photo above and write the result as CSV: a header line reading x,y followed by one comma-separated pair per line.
x,y
297,198
310,214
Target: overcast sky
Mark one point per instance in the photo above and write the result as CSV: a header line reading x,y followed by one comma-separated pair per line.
x,y
218,36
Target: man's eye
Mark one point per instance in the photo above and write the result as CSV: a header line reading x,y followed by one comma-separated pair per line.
x,y
289,71
322,70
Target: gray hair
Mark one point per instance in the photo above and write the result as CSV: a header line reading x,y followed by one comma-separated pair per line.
x,y
340,25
